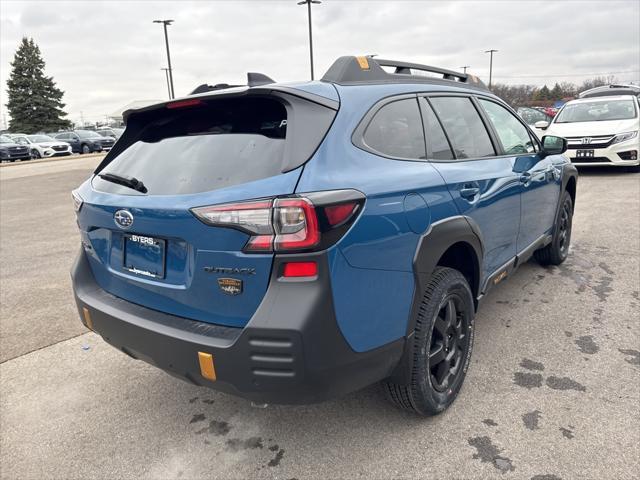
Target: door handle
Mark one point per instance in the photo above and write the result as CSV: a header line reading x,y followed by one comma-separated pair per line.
x,y
525,178
469,192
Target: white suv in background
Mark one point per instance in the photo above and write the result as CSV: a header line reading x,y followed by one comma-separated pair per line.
x,y
601,130
43,146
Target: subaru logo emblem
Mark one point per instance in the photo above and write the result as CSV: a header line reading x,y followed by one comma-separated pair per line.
x,y
123,218
586,140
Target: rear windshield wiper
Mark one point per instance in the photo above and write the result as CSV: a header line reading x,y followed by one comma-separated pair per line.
x,y
130,182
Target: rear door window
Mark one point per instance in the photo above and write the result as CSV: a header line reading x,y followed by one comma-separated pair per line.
x,y
396,130
437,144
463,125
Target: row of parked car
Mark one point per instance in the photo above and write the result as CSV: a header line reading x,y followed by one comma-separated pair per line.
x,y
19,146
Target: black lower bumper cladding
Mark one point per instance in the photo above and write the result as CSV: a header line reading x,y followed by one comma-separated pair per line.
x,y
291,351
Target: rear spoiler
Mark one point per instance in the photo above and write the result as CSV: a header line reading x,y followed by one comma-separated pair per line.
x,y
136,119
254,79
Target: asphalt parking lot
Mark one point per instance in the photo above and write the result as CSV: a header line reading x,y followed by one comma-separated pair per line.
x,y
553,391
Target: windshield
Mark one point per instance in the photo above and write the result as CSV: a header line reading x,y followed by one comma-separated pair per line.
x,y
87,134
597,111
5,139
40,138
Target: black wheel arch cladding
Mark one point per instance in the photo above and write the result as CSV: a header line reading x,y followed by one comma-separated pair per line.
x,y
432,246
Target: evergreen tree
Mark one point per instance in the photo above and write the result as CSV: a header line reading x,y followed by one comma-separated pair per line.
x,y
542,94
34,100
556,92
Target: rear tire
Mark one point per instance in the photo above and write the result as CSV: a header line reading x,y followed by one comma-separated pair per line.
x,y
440,349
557,251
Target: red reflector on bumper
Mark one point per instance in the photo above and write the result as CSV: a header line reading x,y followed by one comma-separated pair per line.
x,y
300,269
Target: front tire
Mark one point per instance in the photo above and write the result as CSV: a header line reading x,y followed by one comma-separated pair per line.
x,y
440,350
557,251
35,154
85,148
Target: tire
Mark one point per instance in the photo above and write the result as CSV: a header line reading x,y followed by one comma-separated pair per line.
x,y
85,148
441,333
557,251
35,154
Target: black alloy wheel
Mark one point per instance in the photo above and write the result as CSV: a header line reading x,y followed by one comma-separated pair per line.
x,y
449,342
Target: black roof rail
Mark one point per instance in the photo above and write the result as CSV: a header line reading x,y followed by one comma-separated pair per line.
x,y
350,70
254,79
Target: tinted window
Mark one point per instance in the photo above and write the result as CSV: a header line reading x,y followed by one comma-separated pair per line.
x,y
464,127
513,135
205,148
396,130
438,146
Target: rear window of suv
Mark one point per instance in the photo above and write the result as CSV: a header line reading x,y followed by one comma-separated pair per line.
x,y
219,144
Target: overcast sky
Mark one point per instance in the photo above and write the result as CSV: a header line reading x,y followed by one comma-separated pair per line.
x,y
106,54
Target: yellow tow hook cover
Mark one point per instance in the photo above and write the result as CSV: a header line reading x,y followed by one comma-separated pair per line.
x,y
87,318
207,370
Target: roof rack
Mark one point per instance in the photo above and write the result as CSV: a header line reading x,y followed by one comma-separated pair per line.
x,y
254,79
611,90
351,70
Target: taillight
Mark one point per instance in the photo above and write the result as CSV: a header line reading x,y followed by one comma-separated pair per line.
x,y
290,224
296,224
77,201
252,217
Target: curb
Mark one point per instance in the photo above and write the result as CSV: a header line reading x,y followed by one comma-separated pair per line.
x,y
52,159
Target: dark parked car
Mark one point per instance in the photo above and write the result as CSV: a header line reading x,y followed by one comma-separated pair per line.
x,y
86,141
290,243
11,151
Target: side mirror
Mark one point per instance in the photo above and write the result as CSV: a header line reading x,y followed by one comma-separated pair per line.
x,y
542,125
552,145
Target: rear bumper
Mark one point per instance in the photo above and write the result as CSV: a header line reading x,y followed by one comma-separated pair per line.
x,y
291,351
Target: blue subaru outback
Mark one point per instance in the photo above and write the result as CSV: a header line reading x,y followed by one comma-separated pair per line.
x,y
290,243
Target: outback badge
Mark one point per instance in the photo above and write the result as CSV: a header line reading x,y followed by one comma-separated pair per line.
x,y
230,286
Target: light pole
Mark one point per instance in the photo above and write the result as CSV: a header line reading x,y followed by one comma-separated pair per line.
x,y
464,68
309,2
490,52
166,41
166,74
